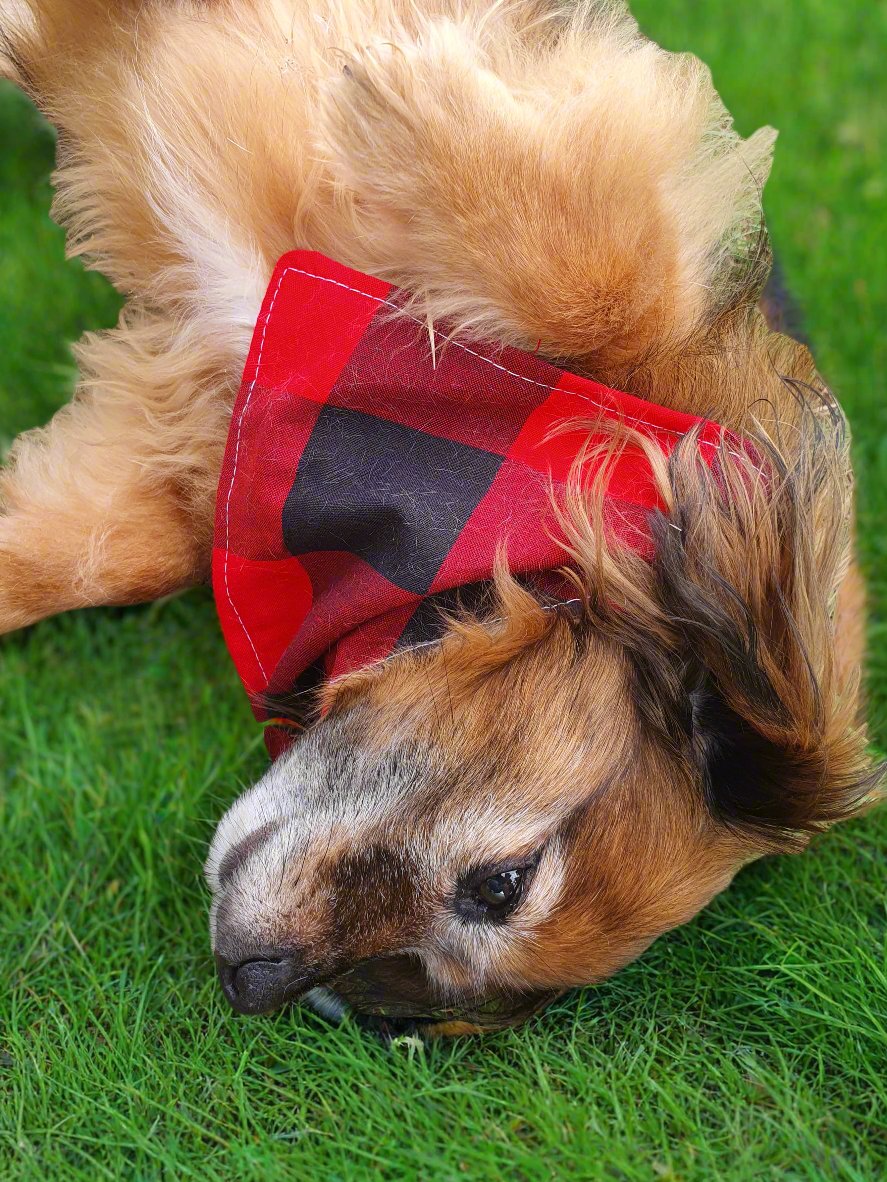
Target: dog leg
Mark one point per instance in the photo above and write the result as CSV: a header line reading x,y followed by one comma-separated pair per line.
x,y
112,502
471,186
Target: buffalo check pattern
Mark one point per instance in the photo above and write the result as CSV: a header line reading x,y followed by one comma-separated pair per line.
x,y
370,477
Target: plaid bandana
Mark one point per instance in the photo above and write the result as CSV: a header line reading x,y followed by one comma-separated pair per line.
x,y
374,468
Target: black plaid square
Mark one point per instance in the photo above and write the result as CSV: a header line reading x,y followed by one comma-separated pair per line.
x,y
399,504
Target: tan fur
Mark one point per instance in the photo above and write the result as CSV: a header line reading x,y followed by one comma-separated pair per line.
x,y
650,857
534,173
421,163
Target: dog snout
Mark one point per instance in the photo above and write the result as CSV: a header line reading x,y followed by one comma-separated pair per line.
x,y
260,984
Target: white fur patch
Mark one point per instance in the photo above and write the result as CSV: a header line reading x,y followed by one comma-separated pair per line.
x,y
225,273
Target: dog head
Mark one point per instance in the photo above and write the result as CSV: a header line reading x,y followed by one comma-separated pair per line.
x,y
474,827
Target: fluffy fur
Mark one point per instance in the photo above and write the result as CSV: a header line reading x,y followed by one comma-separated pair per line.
x,y
543,175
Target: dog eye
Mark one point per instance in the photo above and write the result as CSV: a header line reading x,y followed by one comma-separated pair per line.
x,y
500,890
492,897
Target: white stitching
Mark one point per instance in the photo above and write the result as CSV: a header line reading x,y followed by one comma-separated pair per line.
x,y
495,364
378,300
243,410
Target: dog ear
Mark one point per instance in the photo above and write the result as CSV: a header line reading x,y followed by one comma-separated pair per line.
x,y
776,788
748,561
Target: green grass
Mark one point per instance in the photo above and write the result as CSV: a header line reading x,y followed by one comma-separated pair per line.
x,y
750,1044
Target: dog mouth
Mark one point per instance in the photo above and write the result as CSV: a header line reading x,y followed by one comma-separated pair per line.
x,y
387,995
391,996
391,1021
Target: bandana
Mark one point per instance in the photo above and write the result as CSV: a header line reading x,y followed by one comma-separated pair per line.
x,y
375,467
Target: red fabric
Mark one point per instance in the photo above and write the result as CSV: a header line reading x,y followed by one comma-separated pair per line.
x,y
364,476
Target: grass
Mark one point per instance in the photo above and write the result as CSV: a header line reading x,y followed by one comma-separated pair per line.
x,y
750,1044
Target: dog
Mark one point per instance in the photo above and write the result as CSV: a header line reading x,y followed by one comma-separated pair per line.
x,y
468,828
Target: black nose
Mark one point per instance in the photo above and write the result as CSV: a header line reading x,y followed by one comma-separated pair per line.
x,y
262,984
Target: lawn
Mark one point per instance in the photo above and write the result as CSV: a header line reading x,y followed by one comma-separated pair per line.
x,y
750,1044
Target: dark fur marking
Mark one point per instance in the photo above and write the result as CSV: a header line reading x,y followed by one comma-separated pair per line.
x,y
377,896
238,854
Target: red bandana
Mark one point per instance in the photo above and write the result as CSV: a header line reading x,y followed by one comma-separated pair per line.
x,y
367,475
